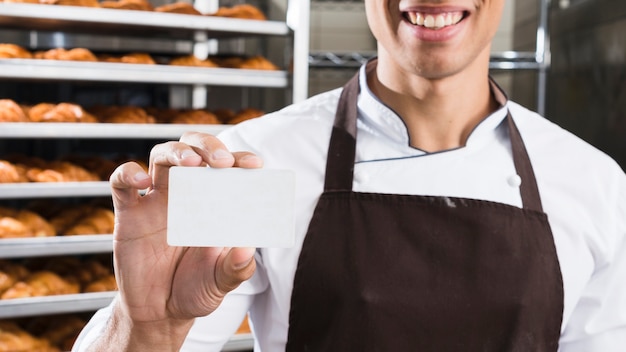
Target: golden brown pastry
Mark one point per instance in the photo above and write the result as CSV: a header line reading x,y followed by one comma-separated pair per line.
x,y
62,112
251,63
228,61
10,273
41,283
28,1
196,116
13,51
139,5
60,171
192,60
37,225
10,111
131,58
246,114
224,114
242,11
11,173
98,221
63,331
84,3
14,339
258,63
178,7
13,228
67,217
76,54
101,166
103,284
122,114
76,271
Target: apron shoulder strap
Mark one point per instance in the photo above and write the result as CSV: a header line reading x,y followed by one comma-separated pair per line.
x,y
342,147
528,188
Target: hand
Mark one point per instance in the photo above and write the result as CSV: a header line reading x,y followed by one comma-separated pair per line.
x,y
161,284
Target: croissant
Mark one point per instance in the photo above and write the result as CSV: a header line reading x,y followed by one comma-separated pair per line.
x,y
77,271
178,7
15,339
99,221
258,63
62,112
63,331
246,114
123,114
84,3
41,283
224,114
140,5
132,58
10,111
12,173
196,116
243,11
13,228
10,273
76,54
36,225
104,284
192,60
13,51
60,171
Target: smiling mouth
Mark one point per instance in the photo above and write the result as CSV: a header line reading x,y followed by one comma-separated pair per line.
x,y
434,20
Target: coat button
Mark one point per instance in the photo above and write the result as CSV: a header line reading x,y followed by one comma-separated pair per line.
x,y
361,177
514,181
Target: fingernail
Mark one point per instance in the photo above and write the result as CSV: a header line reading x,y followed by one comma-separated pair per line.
x,y
240,266
140,176
252,159
187,153
221,154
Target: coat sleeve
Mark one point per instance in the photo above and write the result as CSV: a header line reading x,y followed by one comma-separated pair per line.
x,y
598,322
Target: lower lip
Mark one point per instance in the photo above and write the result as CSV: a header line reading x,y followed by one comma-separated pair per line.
x,y
435,35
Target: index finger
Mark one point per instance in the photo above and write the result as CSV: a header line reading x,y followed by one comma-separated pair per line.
x,y
215,153
210,148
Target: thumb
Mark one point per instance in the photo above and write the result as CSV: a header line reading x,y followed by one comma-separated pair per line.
x,y
126,181
238,266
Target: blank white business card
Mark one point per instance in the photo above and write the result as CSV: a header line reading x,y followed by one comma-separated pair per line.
x,y
230,207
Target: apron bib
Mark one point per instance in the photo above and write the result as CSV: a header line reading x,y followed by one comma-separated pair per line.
x,y
385,272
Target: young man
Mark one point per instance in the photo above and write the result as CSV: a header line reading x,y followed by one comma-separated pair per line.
x,y
432,215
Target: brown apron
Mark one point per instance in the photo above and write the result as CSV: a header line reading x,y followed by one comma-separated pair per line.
x,y
384,272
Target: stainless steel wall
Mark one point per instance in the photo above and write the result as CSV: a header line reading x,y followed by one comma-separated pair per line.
x,y
586,88
587,80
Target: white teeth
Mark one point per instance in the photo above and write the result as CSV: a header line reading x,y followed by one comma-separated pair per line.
x,y
437,21
420,19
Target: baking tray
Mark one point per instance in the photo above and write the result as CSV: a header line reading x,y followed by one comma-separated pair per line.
x,y
57,245
131,22
54,189
102,130
38,306
36,69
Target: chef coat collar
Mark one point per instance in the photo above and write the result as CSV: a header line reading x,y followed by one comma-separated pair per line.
x,y
374,115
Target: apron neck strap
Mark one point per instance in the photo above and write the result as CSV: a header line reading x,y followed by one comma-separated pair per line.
x,y
342,148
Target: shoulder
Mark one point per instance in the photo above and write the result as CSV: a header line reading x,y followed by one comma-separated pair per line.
x,y
284,136
552,146
583,190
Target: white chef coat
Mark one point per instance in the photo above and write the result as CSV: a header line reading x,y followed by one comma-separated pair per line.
x,y
583,192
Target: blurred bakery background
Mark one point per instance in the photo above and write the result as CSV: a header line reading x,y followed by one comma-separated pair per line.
x,y
86,85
